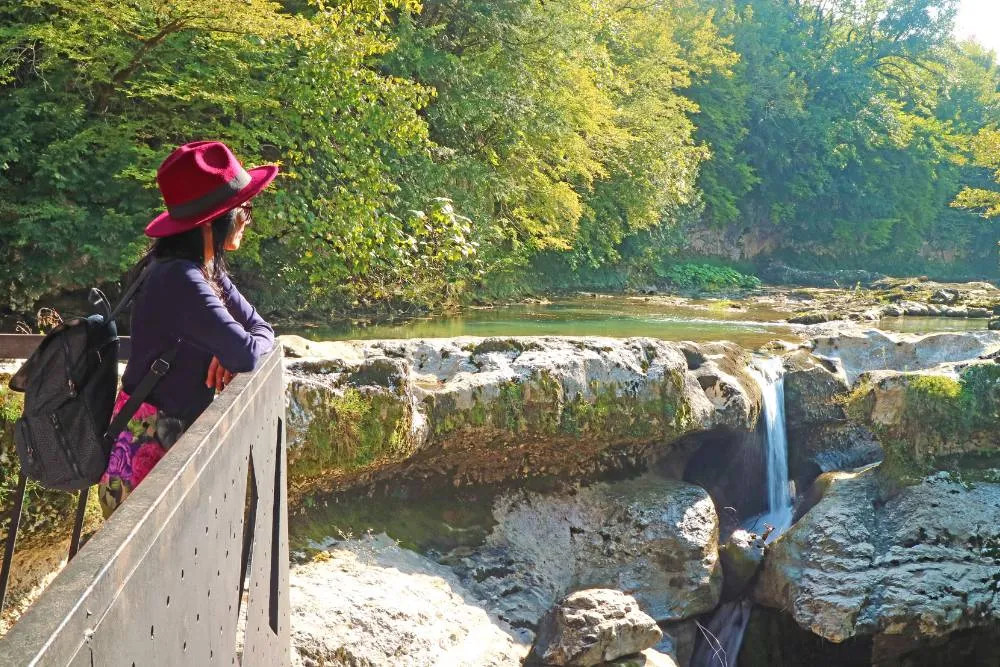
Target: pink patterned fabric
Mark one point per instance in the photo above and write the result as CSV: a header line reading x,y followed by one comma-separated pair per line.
x,y
136,451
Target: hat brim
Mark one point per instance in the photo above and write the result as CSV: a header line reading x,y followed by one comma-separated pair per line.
x,y
165,225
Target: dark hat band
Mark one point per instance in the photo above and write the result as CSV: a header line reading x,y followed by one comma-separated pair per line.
x,y
206,202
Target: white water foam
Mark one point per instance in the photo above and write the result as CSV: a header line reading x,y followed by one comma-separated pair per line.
x,y
770,376
720,640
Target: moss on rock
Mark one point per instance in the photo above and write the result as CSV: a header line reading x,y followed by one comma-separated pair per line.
x,y
931,422
537,407
349,431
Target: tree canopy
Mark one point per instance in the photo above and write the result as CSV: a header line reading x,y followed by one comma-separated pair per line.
x,y
438,151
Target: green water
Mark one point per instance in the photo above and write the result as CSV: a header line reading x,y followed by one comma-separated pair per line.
x,y
931,324
436,522
616,316
749,324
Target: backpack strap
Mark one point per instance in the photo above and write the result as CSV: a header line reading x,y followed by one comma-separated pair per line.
x,y
130,293
155,373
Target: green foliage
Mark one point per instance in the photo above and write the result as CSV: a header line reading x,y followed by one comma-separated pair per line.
x,y
435,151
840,137
708,278
96,94
986,154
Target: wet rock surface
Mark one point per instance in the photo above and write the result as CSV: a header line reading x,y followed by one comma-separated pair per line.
x,y
820,435
741,556
593,626
922,564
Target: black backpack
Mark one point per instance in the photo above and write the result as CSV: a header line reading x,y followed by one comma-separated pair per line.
x,y
70,382
63,438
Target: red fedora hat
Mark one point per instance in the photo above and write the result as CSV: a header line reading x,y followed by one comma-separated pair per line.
x,y
199,182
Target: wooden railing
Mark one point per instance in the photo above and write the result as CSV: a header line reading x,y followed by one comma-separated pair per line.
x,y
193,568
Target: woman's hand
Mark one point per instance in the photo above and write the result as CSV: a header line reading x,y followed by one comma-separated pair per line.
x,y
218,377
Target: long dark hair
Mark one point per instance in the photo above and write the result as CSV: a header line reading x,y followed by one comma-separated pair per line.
x,y
190,245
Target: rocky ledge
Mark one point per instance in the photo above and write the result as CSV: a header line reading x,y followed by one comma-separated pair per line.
x,y
479,410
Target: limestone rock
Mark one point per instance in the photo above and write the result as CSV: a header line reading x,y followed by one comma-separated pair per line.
x,y
815,317
956,311
723,371
486,410
819,448
946,296
819,436
927,419
871,349
593,626
648,658
741,556
654,538
369,602
893,310
914,308
919,565
811,385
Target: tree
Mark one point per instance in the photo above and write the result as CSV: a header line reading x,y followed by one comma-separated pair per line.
x,y
986,152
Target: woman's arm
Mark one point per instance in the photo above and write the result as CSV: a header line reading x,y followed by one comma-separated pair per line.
x,y
207,323
243,312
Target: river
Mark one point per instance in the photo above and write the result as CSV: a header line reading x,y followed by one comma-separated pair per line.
x,y
747,323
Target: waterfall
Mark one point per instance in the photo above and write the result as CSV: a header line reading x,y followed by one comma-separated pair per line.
x,y
718,643
770,376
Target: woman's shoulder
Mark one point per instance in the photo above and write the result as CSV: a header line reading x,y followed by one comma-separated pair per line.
x,y
176,270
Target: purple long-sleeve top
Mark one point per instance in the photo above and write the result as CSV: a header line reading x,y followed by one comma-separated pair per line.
x,y
175,302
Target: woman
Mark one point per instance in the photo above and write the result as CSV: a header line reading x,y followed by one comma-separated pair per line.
x,y
187,302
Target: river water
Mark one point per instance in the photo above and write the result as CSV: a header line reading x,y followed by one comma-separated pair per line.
x,y
700,320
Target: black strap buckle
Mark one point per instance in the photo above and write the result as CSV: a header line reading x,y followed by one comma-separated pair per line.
x,y
160,367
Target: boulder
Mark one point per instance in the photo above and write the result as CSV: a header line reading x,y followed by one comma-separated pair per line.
x,y
914,308
820,438
893,310
724,372
815,317
741,556
593,626
920,565
820,448
648,658
945,296
654,538
931,420
370,602
486,410
811,386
